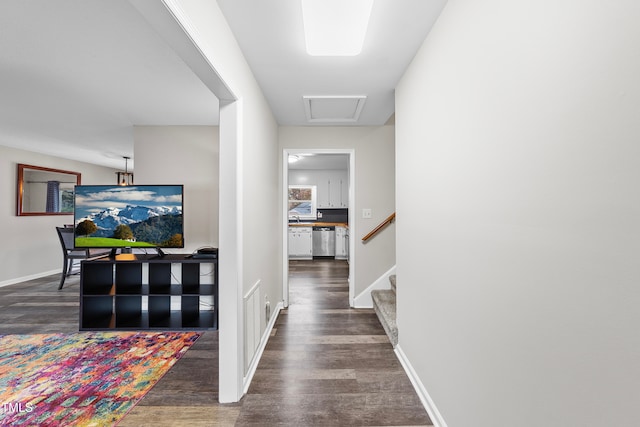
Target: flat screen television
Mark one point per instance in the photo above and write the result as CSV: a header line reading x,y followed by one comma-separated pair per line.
x,y
136,216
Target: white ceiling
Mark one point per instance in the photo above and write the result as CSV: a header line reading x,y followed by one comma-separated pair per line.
x,y
77,75
270,34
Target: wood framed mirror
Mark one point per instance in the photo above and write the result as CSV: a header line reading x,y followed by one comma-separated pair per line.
x,y
45,191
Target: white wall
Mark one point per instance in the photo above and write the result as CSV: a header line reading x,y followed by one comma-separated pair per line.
x,y
30,246
260,196
250,248
518,206
374,188
186,155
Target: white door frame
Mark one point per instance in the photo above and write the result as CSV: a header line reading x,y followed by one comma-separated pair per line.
x,y
285,219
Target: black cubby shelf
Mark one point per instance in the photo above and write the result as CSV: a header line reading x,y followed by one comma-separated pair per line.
x,y
172,292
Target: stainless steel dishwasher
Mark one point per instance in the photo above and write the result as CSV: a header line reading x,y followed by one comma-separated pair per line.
x,y
324,241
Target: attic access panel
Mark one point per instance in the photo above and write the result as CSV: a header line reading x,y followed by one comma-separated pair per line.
x,y
338,109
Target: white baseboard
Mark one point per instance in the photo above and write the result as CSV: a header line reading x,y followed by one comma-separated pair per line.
x,y
263,343
427,402
364,299
30,277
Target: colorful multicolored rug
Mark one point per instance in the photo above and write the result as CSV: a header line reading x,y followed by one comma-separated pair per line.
x,y
83,379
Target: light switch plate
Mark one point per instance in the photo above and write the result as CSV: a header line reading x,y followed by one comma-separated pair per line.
x,y
366,213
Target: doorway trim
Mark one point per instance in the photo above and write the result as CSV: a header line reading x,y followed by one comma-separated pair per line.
x,y
285,218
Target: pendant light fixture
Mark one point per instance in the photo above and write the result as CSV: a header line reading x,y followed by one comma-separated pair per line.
x,y
126,177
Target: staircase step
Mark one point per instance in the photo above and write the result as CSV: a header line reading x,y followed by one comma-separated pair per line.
x,y
384,304
392,280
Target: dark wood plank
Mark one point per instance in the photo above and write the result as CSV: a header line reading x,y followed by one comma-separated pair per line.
x,y
327,364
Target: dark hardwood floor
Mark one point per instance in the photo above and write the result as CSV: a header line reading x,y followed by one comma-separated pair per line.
x,y
324,365
327,364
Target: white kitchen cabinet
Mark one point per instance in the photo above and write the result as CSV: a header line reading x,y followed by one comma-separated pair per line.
x,y
333,189
300,243
332,186
323,183
342,242
344,190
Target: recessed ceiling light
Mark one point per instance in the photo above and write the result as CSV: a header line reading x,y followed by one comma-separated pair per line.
x,y
293,158
335,27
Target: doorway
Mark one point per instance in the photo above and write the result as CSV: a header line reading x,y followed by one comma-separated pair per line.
x,y
330,201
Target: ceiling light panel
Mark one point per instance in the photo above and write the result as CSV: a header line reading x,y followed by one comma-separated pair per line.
x,y
335,27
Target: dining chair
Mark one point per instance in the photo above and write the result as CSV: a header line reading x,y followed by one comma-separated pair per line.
x,y
70,253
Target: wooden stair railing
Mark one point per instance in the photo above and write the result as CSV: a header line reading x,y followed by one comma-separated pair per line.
x,y
380,226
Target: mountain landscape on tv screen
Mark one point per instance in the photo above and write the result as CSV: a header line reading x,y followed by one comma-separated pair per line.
x,y
148,224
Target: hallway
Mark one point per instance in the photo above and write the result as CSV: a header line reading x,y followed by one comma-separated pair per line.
x,y
327,364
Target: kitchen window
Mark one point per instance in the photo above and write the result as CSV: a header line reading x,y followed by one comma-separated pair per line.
x,y
302,202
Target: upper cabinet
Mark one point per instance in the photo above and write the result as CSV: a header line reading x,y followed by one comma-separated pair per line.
x,y
338,190
344,190
332,186
322,180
